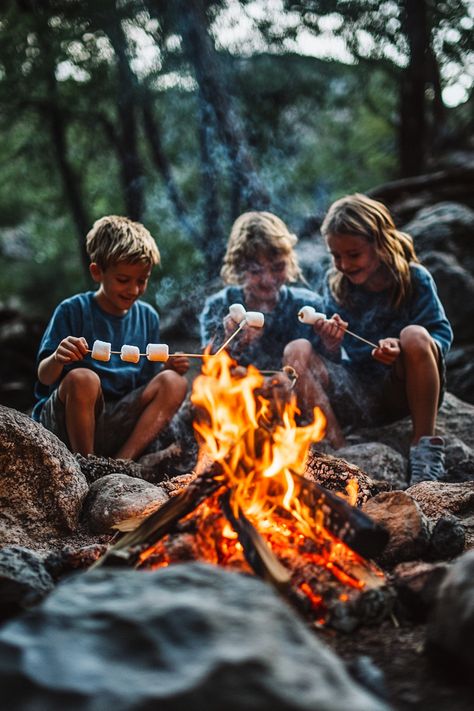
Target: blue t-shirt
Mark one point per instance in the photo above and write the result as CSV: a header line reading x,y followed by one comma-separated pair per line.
x,y
371,315
80,315
281,325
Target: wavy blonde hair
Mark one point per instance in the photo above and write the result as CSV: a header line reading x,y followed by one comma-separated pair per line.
x,y
360,216
115,239
254,234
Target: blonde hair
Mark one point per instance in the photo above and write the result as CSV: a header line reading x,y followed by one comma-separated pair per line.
x,y
254,234
361,216
115,239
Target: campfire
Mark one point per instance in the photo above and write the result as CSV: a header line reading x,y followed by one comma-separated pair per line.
x,y
250,508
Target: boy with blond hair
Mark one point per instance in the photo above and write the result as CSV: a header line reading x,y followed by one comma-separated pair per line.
x,y
110,408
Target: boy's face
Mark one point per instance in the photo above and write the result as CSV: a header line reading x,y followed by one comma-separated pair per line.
x,y
121,284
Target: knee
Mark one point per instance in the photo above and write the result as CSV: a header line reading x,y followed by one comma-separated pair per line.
x,y
416,341
81,384
173,383
299,351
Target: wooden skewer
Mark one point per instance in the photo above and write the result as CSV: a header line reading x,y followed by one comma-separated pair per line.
x,y
231,338
354,335
188,355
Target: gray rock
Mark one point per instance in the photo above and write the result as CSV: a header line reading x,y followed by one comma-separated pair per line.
x,y
447,227
460,372
408,527
24,579
379,461
456,290
455,419
184,637
41,485
451,628
417,584
115,498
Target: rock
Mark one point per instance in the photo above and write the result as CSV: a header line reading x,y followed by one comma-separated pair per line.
x,y
460,372
408,527
456,290
438,499
24,580
447,538
41,485
451,627
116,498
187,636
379,461
455,418
446,227
417,584
95,468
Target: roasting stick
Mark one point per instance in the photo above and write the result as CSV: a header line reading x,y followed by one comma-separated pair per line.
x,y
231,338
309,315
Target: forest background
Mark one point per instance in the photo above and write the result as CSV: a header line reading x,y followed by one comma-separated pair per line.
x,y
183,114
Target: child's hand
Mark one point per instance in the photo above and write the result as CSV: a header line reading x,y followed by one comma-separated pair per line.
x,y
230,326
249,334
331,331
71,349
179,363
388,351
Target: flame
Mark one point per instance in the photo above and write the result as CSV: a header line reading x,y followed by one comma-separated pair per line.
x,y
260,448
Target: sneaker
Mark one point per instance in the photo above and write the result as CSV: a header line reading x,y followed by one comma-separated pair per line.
x,y
427,460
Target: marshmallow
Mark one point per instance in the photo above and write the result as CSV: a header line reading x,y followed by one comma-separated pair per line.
x,y
309,315
157,351
130,354
237,312
255,319
101,350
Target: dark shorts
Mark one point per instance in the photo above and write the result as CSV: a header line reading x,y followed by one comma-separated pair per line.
x,y
115,420
358,402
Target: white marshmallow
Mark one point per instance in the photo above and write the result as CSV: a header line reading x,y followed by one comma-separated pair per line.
x,y
237,312
255,319
309,315
157,352
101,350
130,353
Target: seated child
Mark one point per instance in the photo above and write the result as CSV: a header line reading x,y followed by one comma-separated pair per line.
x,y
378,289
258,265
113,408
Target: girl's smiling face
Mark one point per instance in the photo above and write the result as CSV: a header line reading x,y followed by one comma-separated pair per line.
x,y
357,259
262,280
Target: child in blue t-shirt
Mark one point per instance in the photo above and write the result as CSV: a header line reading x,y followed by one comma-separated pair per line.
x,y
113,408
260,267
378,289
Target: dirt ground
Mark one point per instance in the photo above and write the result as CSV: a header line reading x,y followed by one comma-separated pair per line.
x,y
411,680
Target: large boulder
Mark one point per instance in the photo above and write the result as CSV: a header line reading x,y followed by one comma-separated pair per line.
x,y
188,636
41,484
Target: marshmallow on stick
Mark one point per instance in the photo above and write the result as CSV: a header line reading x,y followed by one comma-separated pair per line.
x,y
237,312
130,353
101,350
255,319
309,315
157,352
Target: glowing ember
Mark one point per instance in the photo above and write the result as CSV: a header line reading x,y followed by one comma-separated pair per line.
x,y
261,451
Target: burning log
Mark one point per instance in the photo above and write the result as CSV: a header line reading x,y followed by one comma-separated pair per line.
x,y
251,509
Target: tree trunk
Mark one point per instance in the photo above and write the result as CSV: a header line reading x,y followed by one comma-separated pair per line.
x,y
132,173
199,48
163,166
412,137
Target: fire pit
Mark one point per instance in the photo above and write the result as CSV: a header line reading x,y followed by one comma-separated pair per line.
x,y
250,509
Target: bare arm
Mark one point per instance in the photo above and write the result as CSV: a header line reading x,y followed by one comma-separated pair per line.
x,y
69,350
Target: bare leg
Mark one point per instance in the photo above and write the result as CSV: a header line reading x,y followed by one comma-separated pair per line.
x,y
161,398
419,368
311,386
79,391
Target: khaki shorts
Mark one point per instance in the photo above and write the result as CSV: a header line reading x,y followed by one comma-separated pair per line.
x,y
115,420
